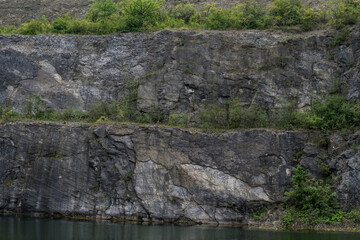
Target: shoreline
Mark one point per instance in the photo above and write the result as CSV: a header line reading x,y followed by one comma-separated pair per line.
x,y
250,226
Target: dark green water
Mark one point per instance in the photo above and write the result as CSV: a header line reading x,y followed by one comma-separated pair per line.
x,y
26,228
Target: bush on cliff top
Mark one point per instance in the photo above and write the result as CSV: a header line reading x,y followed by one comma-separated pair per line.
x,y
101,10
33,27
344,12
286,12
140,14
106,17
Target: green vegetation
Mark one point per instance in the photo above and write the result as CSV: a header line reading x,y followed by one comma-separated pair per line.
x,y
311,202
140,15
101,10
259,215
99,111
179,119
344,12
105,17
233,115
334,113
242,16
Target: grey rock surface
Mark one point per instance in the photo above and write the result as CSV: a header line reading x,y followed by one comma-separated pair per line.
x,y
16,12
179,71
155,173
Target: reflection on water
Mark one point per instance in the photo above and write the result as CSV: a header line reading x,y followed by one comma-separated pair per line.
x,y
26,228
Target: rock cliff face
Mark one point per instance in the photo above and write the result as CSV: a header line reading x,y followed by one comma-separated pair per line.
x,y
156,173
168,174
179,71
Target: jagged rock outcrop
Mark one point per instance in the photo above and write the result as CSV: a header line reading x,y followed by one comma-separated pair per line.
x,y
157,173
179,71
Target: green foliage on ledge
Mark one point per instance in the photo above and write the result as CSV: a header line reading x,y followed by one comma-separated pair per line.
x,y
105,17
334,113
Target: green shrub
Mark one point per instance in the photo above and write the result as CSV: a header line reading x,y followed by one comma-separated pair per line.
x,y
214,116
341,36
287,117
85,26
107,26
310,201
179,119
101,10
252,15
140,14
259,215
336,113
105,17
129,101
166,20
242,16
185,12
233,115
286,12
79,27
309,18
71,114
9,29
154,115
288,218
35,108
6,113
246,117
61,23
2,111
219,18
344,12
101,108
354,215
33,27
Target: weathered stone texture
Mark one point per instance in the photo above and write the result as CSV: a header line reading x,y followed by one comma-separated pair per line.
x,y
15,12
179,71
156,173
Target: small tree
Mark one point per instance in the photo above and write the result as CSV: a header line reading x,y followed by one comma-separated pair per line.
x,y
140,13
101,10
33,27
310,201
286,12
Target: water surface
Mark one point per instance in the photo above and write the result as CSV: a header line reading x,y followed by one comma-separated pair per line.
x,y
27,228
